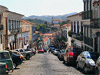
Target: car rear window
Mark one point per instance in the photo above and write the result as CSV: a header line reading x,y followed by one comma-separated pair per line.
x,y
17,50
21,50
74,50
63,51
4,55
27,50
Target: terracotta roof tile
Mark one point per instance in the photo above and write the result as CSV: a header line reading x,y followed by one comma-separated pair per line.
x,y
25,22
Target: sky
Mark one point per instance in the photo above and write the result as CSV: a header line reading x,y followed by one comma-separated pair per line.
x,y
43,7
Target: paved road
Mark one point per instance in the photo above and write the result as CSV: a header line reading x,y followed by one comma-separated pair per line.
x,y
44,64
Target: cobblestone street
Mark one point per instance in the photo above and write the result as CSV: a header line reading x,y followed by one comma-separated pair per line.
x,y
44,64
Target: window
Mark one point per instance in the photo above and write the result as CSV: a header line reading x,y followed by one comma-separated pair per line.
x,y
85,6
87,32
19,24
21,50
96,12
88,5
77,26
12,24
15,24
27,28
74,27
71,26
1,39
4,55
27,50
9,25
81,27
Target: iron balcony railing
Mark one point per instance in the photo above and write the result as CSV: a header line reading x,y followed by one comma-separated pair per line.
x,y
87,15
95,23
88,41
77,36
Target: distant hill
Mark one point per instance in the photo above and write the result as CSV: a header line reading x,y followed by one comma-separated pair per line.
x,y
37,21
49,18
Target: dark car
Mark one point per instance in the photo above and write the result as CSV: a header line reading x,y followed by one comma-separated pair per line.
x,y
61,54
70,55
56,51
6,58
86,61
3,67
52,48
16,60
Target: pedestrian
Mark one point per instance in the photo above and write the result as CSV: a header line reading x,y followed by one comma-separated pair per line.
x,y
49,50
7,48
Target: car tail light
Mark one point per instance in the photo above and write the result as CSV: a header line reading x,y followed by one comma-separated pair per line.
x,y
91,67
71,54
63,54
20,57
6,66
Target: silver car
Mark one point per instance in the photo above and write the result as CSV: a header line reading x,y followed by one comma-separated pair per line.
x,y
86,61
27,53
97,66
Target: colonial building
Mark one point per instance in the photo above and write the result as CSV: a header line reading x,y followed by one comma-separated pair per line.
x,y
33,36
2,9
76,32
87,15
11,28
25,33
95,25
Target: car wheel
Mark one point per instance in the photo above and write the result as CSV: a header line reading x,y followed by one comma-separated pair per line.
x,y
14,65
85,69
64,62
67,62
27,57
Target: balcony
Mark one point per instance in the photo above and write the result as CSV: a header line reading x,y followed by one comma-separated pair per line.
x,y
95,23
88,41
87,15
77,36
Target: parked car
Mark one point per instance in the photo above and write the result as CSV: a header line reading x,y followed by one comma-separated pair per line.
x,y
97,68
3,67
18,53
61,54
16,60
33,51
70,55
6,58
52,50
25,52
86,61
56,51
29,51
40,51
52,46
